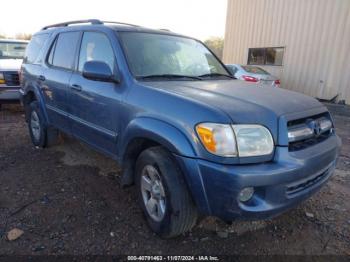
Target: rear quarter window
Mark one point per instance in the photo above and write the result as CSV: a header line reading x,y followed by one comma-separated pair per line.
x,y
34,47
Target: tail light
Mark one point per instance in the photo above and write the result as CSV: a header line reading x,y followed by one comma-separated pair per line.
x,y
250,79
277,82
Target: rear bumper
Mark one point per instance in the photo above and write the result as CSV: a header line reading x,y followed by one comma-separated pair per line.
x,y
9,94
279,185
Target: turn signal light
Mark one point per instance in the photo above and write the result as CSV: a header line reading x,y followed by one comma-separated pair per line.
x,y
207,137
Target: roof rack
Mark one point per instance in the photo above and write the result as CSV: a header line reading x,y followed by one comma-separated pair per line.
x,y
91,21
119,23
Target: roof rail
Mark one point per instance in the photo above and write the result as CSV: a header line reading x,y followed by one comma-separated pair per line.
x,y
91,21
119,23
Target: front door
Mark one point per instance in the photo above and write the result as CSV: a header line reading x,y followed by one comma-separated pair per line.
x,y
94,105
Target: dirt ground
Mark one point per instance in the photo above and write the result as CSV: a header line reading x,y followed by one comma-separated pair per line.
x,y
67,200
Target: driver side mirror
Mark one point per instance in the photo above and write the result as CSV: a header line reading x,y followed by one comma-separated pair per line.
x,y
98,71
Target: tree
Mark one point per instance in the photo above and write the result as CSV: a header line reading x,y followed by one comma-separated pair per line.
x,y
23,36
216,44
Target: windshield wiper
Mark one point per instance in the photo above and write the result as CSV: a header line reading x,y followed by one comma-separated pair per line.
x,y
169,76
215,75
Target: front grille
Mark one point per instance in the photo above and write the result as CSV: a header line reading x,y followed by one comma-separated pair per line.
x,y
308,131
299,145
294,189
11,78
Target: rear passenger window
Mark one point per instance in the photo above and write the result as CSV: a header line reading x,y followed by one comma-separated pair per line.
x,y
63,50
34,47
96,46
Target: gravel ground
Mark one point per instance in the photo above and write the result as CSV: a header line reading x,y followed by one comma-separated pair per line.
x,y
67,200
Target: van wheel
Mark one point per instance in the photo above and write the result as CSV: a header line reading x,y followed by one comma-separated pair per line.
x,y
163,194
37,128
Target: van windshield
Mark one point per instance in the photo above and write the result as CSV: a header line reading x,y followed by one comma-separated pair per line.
x,y
152,55
13,50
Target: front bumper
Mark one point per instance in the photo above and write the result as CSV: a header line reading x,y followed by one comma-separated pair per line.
x,y
279,185
9,94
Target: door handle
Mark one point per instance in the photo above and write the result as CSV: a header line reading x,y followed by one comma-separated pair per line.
x,y
41,78
76,87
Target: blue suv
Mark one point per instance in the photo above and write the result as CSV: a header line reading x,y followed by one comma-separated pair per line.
x,y
194,140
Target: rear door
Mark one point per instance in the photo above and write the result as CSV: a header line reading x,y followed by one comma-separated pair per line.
x,y
55,78
95,105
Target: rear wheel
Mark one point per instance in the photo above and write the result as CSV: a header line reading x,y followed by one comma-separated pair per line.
x,y
163,194
37,127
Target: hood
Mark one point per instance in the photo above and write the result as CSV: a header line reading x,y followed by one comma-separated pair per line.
x,y
243,102
10,64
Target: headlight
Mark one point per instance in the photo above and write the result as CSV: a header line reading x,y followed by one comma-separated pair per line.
x,y
253,140
235,140
2,79
217,139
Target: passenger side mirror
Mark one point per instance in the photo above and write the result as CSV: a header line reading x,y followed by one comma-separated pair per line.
x,y
98,71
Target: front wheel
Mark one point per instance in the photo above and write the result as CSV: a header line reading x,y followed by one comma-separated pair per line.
x,y
163,193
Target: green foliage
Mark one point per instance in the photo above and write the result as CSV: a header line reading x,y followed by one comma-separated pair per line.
x,y
216,44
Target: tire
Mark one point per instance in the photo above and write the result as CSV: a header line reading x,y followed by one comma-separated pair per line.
x,y
36,125
173,211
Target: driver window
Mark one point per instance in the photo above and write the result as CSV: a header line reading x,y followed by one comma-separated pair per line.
x,y
95,47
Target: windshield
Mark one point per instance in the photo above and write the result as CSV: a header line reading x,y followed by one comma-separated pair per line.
x,y
165,55
255,70
12,50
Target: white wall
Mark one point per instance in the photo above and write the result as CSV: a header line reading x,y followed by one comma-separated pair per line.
x,y
315,34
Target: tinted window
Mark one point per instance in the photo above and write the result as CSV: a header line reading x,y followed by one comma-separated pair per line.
x,y
96,47
64,50
34,47
52,51
266,56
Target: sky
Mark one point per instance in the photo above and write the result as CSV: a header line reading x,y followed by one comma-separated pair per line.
x,y
197,18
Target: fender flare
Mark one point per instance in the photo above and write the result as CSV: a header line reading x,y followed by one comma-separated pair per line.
x,y
173,140
39,98
160,132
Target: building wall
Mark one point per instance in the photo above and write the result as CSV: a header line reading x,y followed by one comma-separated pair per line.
x,y
315,34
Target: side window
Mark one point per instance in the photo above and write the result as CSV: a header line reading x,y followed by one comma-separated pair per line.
x,y
34,47
95,46
63,50
52,51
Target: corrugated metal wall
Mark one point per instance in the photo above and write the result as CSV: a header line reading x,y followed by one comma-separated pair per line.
x,y
315,34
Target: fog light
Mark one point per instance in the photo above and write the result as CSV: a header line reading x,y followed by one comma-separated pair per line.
x,y
246,194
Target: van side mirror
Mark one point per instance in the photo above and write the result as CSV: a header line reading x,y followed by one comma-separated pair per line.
x,y
98,71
